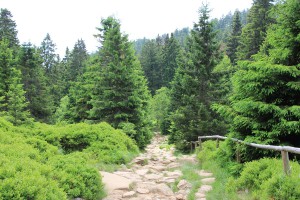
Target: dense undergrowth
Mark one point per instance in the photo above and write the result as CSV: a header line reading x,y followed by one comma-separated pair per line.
x,y
259,179
58,162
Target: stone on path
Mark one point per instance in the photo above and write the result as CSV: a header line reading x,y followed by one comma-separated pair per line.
x,y
158,167
200,195
162,189
129,194
115,182
153,176
142,191
142,172
208,180
205,188
183,184
180,197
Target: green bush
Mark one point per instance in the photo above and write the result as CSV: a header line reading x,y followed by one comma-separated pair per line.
x,y
101,141
76,177
221,155
266,180
22,173
40,161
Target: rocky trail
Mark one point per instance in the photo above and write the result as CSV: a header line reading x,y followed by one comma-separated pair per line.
x,y
155,175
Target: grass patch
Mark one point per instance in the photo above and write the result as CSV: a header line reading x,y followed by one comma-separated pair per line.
x,y
189,173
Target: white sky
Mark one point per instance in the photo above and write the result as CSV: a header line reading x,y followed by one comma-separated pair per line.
x,y
69,20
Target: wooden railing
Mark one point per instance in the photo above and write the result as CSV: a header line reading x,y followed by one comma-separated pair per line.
x,y
283,149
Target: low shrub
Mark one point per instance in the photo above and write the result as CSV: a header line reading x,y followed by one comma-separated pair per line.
x,y
101,141
266,180
58,162
23,175
76,177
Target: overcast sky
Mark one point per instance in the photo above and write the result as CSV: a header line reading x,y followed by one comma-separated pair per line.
x,y
69,20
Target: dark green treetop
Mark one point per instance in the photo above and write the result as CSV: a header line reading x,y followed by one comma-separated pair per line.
x,y
120,96
8,28
254,33
234,38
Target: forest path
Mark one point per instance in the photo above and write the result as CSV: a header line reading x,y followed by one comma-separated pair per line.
x,y
155,175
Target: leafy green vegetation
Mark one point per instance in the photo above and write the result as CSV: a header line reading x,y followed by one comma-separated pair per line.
x,y
238,76
58,162
260,179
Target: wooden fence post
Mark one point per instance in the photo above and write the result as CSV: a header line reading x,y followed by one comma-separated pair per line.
x,y
217,143
200,144
286,164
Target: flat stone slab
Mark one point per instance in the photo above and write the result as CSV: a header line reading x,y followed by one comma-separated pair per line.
x,y
205,188
153,176
158,168
208,180
114,182
162,189
142,172
200,195
129,194
142,191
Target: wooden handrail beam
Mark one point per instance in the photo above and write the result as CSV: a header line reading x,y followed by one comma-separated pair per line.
x,y
260,146
283,149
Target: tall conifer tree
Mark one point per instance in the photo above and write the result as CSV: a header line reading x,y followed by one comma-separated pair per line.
x,y
8,28
151,61
254,33
35,83
191,115
121,96
6,63
234,38
265,103
17,111
171,52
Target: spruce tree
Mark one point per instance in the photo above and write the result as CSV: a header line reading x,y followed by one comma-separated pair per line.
x,y
78,57
254,33
171,52
191,114
17,112
53,69
151,61
265,103
6,63
234,38
35,84
8,28
120,96
48,54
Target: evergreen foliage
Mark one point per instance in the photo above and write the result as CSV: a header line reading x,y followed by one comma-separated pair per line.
x,y
171,53
17,112
234,38
254,33
8,28
35,83
120,95
6,63
152,63
190,100
266,93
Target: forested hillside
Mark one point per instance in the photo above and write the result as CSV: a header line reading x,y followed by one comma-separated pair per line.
x,y
69,116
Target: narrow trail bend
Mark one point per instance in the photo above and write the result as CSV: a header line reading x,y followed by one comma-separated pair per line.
x,y
153,174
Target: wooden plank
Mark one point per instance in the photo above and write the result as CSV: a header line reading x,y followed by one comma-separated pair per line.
x,y
260,146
